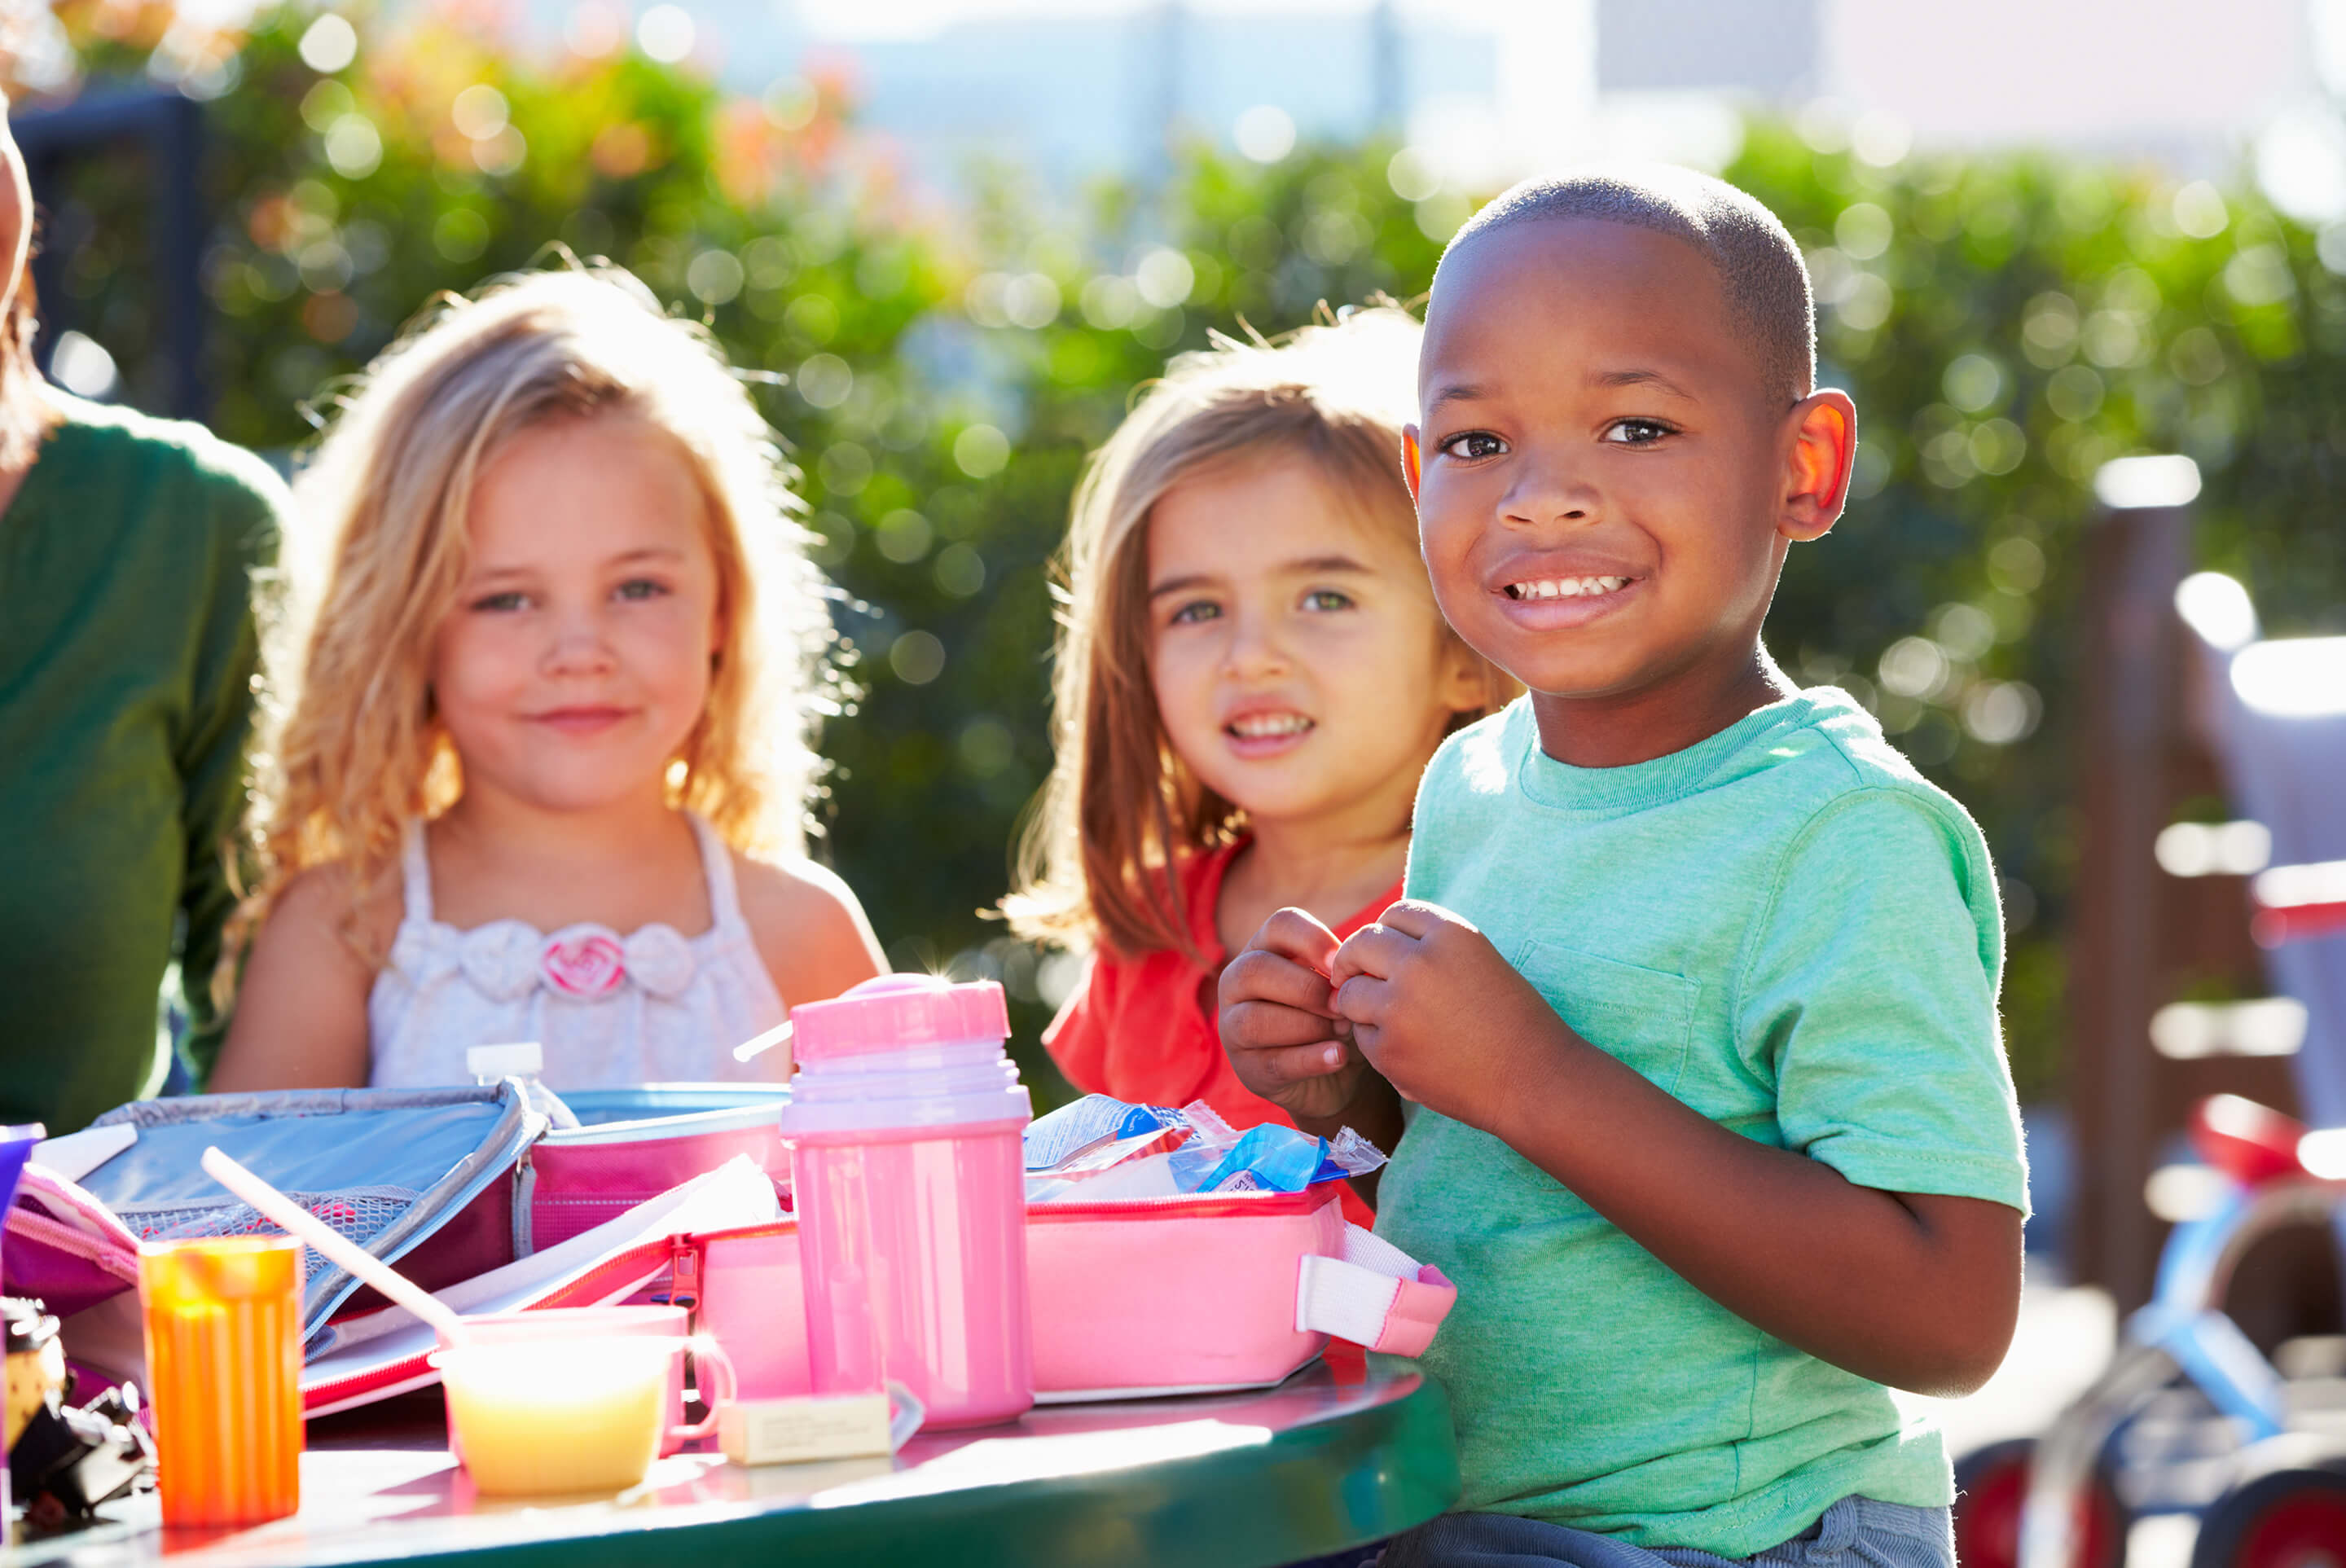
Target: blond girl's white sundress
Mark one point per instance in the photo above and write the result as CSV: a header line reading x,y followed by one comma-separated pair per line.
x,y
610,1011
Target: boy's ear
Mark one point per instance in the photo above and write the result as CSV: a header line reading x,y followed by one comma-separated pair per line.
x,y
1824,445
1413,462
1464,688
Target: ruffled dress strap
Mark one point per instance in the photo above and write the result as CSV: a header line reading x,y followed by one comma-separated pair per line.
x,y
732,944
716,867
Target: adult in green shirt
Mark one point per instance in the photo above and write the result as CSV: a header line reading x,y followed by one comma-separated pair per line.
x,y
128,654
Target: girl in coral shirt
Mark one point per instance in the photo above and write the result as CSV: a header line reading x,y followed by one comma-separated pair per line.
x,y
1251,675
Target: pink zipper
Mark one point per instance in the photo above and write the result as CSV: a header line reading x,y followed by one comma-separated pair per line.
x,y
1189,1206
105,1252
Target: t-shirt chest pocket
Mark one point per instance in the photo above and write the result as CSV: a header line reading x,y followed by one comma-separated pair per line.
x,y
1644,1017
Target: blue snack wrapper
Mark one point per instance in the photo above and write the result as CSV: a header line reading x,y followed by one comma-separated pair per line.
x,y
1090,1123
1071,1153
1275,1158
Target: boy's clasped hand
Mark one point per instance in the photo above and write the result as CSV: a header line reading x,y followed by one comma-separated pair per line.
x,y
1309,1019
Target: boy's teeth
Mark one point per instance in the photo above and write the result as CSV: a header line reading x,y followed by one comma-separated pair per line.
x,y
1256,725
1565,587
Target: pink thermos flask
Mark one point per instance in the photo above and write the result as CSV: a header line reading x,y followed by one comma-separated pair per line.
x,y
905,1127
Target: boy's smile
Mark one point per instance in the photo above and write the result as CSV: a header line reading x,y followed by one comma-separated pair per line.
x,y
1606,491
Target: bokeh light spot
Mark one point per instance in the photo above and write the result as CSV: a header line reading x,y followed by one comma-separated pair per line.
x,y
329,43
665,32
981,452
1265,133
960,571
461,234
715,276
1110,302
2200,210
1862,231
790,103
903,536
1973,382
355,147
844,468
917,658
83,367
501,154
824,381
1412,175
1165,278
480,111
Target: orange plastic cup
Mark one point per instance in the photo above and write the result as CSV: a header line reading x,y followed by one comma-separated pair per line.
x,y
224,1373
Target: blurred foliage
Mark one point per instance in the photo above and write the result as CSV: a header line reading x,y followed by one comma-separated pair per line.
x,y
2006,323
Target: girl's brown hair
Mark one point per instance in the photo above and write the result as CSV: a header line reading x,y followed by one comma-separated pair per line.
x,y
26,413
352,748
1121,808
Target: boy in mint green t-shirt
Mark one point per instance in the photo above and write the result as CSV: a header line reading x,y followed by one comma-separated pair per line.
x,y
1693,993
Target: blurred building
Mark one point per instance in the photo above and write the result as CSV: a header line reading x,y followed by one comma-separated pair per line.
x,y
2164,76
1489,89
1099,88
1075,96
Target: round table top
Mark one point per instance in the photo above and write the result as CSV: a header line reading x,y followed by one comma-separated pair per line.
x,y
1245,1480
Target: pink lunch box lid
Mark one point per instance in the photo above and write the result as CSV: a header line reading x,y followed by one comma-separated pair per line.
x,y
897,1013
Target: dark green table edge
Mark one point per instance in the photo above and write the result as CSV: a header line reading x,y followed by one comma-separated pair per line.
x,y
1312,1490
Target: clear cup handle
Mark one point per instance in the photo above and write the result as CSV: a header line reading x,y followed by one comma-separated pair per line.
x,y
707,1354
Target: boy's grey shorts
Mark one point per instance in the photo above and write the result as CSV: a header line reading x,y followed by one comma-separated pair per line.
x,y
1855,1532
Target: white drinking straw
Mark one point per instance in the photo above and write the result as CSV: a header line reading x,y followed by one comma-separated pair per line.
x,y
331,1245
758,1045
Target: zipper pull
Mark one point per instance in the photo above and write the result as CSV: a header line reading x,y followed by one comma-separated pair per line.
x,y
684,1276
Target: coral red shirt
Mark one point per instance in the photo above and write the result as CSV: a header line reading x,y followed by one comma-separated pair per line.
x,y
1145,1029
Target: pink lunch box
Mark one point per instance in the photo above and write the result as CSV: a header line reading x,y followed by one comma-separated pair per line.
x,y
574,1178
1159,1296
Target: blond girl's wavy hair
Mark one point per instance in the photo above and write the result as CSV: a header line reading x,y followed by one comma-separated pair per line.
x,y
352,747
1121,808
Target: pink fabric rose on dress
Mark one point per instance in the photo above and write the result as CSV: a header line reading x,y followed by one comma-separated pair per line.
x,y
590,965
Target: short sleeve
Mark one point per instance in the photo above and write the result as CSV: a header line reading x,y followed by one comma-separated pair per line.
x,y
1868,995
1077,1038
1446,811
1421,871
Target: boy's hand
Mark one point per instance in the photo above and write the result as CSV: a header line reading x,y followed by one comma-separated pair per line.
x,y
1441,1015
1280,1024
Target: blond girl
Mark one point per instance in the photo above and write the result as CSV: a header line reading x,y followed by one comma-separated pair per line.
x,y
1251,675
541,754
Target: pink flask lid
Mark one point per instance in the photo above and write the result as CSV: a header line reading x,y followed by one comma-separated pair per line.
x,y
898,1012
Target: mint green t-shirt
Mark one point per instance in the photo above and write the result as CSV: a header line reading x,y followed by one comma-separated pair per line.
x,y
1787,928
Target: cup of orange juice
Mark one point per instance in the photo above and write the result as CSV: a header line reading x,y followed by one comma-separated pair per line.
x,y
557,1406
223,1319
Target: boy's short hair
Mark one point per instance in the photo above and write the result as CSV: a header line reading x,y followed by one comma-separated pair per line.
x,y
1760,271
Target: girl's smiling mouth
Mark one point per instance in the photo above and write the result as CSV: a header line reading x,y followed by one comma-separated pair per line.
x,y
1266,732
584,720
